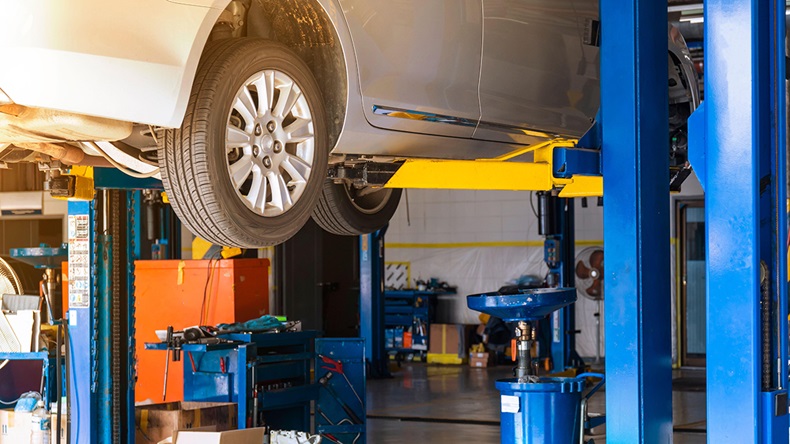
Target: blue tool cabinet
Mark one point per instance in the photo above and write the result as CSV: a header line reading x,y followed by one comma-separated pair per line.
x,y
275,378
266,374
402,309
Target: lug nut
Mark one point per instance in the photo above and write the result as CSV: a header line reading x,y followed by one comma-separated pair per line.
x,y
278,146
258,129
271,126
256,150
267,162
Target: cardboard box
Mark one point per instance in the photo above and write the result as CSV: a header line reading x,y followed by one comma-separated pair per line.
x,y
480,360
27,327
53,422
246,436
156,422
170,439
15,427
450,339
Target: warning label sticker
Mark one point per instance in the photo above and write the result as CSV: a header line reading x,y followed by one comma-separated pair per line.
x,y
79,261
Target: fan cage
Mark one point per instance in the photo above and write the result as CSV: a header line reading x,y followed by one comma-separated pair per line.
x,y
9,280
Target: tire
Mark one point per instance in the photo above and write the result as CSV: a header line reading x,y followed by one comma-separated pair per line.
x,y
338,212
196,160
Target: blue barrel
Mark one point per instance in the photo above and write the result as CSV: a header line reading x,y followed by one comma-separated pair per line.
x,y
544,412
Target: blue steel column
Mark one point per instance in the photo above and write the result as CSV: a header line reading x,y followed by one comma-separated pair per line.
x,y
744,175
103,344
133,233
371,301
82,403
636,221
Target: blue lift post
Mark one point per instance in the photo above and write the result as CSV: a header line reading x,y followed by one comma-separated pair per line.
x,y
81,324
737,146
371,302
636,222
557,225
97,410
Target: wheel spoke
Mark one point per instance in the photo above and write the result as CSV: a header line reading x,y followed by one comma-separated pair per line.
x,y
240,170
287,201
289,94
298,169
299,130
245,106
277,197
236,138
281,198
265,87
260,202
257,190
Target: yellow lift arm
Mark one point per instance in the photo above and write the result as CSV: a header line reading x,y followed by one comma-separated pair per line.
x,y
501,173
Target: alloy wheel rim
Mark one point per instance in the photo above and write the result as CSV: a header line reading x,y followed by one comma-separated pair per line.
x,y
270,143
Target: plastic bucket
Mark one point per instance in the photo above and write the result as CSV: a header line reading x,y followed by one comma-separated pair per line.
x,y
544,412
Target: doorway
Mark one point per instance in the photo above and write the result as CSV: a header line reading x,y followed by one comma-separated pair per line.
x,y
317,281
691,257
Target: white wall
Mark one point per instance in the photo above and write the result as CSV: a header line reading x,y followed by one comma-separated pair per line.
x,y
479,241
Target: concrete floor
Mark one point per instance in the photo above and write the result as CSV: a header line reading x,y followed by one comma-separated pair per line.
x,y
438,404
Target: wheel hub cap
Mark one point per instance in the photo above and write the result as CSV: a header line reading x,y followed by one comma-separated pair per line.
x,y
270,143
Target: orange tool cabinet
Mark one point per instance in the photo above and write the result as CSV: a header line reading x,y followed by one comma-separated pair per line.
x,y
171,292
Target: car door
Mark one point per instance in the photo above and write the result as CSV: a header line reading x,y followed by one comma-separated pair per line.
x,y
419,63
538,79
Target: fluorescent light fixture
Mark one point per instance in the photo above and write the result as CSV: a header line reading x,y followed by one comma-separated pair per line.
x,y
685,8
693,19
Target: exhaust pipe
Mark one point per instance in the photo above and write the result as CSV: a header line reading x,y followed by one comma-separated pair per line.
x,y
59,151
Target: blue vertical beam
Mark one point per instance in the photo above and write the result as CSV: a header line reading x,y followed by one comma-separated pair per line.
x,y
82,403
371,301
636,221
133,232
732,219
781,277
745,184
776,428
103,344
563,322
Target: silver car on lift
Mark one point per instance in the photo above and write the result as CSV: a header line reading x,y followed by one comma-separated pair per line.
x,y
257,114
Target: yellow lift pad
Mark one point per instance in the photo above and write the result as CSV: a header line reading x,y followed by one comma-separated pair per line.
x,y
80,184
502,173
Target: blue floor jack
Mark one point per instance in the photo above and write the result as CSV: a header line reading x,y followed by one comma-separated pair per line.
x,y
536,409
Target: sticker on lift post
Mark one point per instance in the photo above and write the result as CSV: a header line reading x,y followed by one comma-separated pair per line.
x,y
79,261
511,404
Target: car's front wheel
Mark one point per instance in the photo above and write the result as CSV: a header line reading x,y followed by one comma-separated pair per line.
x,y
248,163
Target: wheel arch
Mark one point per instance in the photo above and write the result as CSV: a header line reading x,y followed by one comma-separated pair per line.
x,y
307,28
